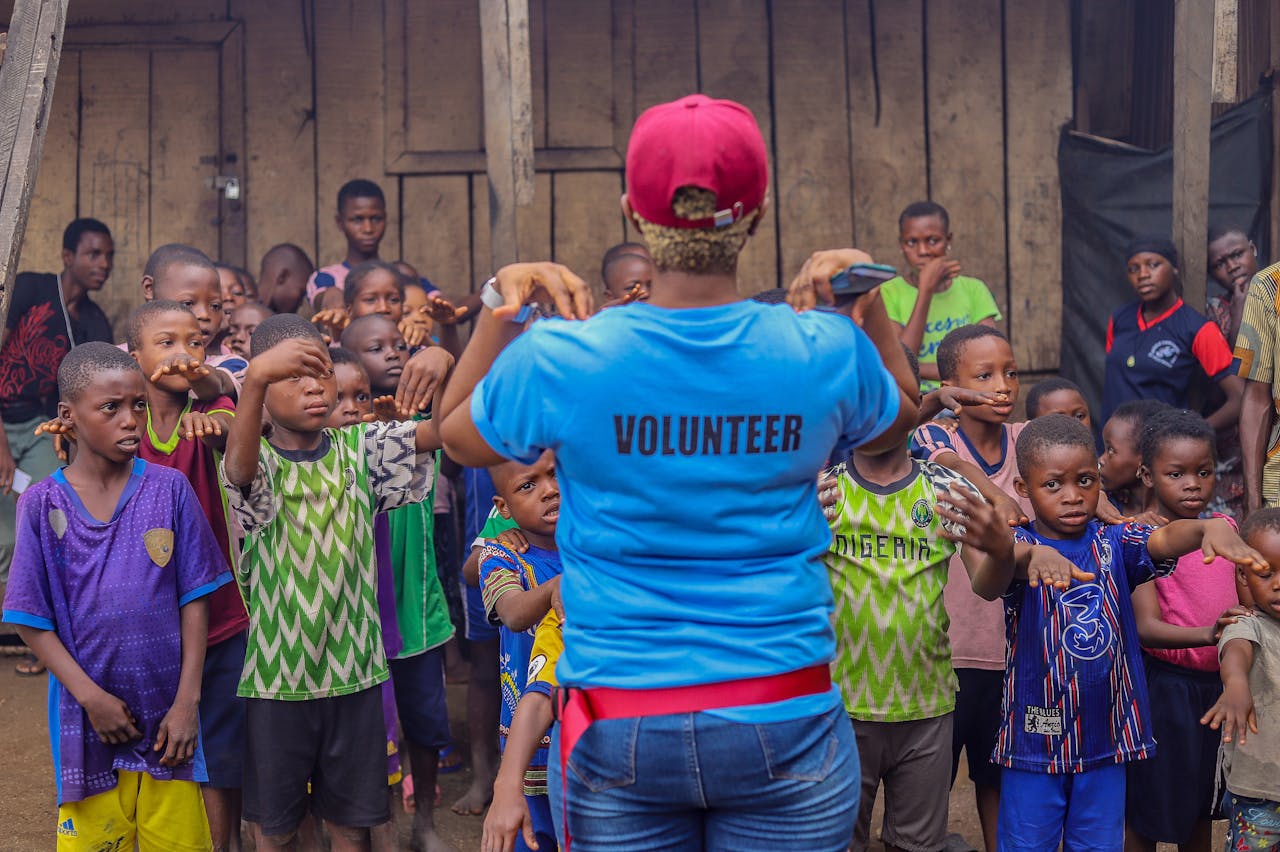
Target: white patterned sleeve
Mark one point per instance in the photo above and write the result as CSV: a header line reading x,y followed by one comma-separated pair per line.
x,y
398,475
254,506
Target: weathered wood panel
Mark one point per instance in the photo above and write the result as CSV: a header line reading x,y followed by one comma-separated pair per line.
x,y
144,11
184,148
533,225
444,92
53,202
437,234
666,51
579,100
587,217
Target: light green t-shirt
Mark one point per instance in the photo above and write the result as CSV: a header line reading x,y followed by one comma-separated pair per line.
x,y
966,302
888,566
421,609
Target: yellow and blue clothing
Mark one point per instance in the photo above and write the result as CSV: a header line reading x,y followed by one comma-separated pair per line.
x,y
158,815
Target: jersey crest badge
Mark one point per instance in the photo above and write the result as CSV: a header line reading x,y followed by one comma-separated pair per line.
x,y
159,544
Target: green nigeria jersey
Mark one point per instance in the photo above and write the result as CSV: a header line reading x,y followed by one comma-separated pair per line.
x,y
888,565
308,572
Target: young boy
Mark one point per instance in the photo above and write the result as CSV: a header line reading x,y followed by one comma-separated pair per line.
x,y
1058,396
1075,707
362,219
109,587
1118,465
626,271
517,591
1249,710
306,499
282,277
240,325
189,436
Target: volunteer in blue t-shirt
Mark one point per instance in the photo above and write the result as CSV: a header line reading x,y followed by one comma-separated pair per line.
x,y
688,432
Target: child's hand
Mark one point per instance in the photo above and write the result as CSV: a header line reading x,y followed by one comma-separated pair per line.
x,y
513,540
638,293
111,719
421,376
557,603
414,332
1051,568
1151,519
538,283
177,734
1233,712
812,284
335,319
443,311
62,436
384,411
828,495
946,421
935,272
1229,616
197,424
290,359
1108,514
953,399
508,816
1220,540
181,365
1008,509
976,522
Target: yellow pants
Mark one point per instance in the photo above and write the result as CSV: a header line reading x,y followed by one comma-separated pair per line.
x,y
160,815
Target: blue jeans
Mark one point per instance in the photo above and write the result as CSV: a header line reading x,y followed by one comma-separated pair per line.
x,y
695,781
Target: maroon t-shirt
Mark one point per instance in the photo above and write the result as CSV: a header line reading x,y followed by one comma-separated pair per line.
x,y
199,464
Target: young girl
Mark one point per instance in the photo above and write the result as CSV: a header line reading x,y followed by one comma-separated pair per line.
x,y
1118,465
933,297
1180,617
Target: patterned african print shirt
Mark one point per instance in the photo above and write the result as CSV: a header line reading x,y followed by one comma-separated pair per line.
x,y
1257,351
308,573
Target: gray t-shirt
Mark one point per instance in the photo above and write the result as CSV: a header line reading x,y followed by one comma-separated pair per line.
x,y
1253,768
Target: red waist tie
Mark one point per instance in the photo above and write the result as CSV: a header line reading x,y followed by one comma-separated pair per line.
x,y
577,708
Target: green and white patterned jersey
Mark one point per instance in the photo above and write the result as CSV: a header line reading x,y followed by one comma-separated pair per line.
x,y
888,566
308,573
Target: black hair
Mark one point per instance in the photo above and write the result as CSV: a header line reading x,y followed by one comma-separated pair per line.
x,y
360,188
253,303
1222,229
615,253
339,355
142,315
772,296
1045,433
290,249
84,362
1137,412
913,361
1170,425
952,347
1043,388
358,322
78,228
922,209
356,278
1263,519
274,330
172,254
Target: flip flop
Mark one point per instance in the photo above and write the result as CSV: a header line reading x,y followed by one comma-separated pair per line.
x,y
450,761
29,666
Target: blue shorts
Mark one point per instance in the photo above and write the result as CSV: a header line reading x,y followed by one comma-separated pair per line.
x,y
420,698
1253,824
1080,810
540,814
222,723
477,620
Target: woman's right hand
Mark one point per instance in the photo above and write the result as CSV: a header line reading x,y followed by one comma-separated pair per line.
x,y
538,283
935,272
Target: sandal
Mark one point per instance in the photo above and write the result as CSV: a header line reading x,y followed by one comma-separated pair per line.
x,y
29,666
450,761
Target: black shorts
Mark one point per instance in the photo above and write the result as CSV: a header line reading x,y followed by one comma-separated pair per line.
x,y
337,745
420,698
1172,791
222,734
977,723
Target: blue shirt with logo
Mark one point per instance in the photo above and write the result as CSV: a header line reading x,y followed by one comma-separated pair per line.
x,y
688,444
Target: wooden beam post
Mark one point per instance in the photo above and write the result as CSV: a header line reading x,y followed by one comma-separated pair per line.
x,y
1192,60
508,121
26,91
1226,50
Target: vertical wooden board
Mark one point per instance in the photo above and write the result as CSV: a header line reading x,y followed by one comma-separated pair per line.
x,y
279,158
145,11
114,167
586,219
810,133
579,100
444,95
666,51
53,199
232,231
966,133
1104,89
349,119
437,230
538,69
886,120
184,148
533,225
1038,101
733,62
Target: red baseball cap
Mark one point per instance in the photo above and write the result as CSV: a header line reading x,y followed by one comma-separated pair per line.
x,y
697,141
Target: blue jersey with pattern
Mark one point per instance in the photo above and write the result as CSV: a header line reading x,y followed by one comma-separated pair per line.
x,y
1075,697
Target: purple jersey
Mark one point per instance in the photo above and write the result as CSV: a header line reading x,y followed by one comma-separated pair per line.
x,y
112,592
1075,697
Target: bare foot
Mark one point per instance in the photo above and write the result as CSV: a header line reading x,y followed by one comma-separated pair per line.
x,y
429,840
476,799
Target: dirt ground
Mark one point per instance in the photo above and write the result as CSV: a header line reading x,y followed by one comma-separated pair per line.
x,y
26,780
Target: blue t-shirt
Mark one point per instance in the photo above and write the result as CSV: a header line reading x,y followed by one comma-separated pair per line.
x,y
687,445
1075,696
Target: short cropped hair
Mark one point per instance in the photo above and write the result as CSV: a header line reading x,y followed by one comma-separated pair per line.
x,y
172,254
1262,520
359,188
361,271
1172,424
78,228
695,250
1222,229
1043,434
339,355
296,254
1137,412
922,209
1045,387
274,330
615,253
360,322
772,296
951,348
84,362
142,315
913,361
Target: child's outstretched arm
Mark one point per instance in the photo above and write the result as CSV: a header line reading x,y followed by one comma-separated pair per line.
x,y
1214,537
109,716
509,813
987,548
520,610
179,729
1234,709
1155,632
1005,505
211,428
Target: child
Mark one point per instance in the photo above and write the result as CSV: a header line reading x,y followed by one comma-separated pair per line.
x,y
1249,710
237,286
1075,707
283,277
1121,458
1179,618
189,435
1058,396
362,219
517,594
240,325
626,270
306,499
113,566
934,297
422,613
